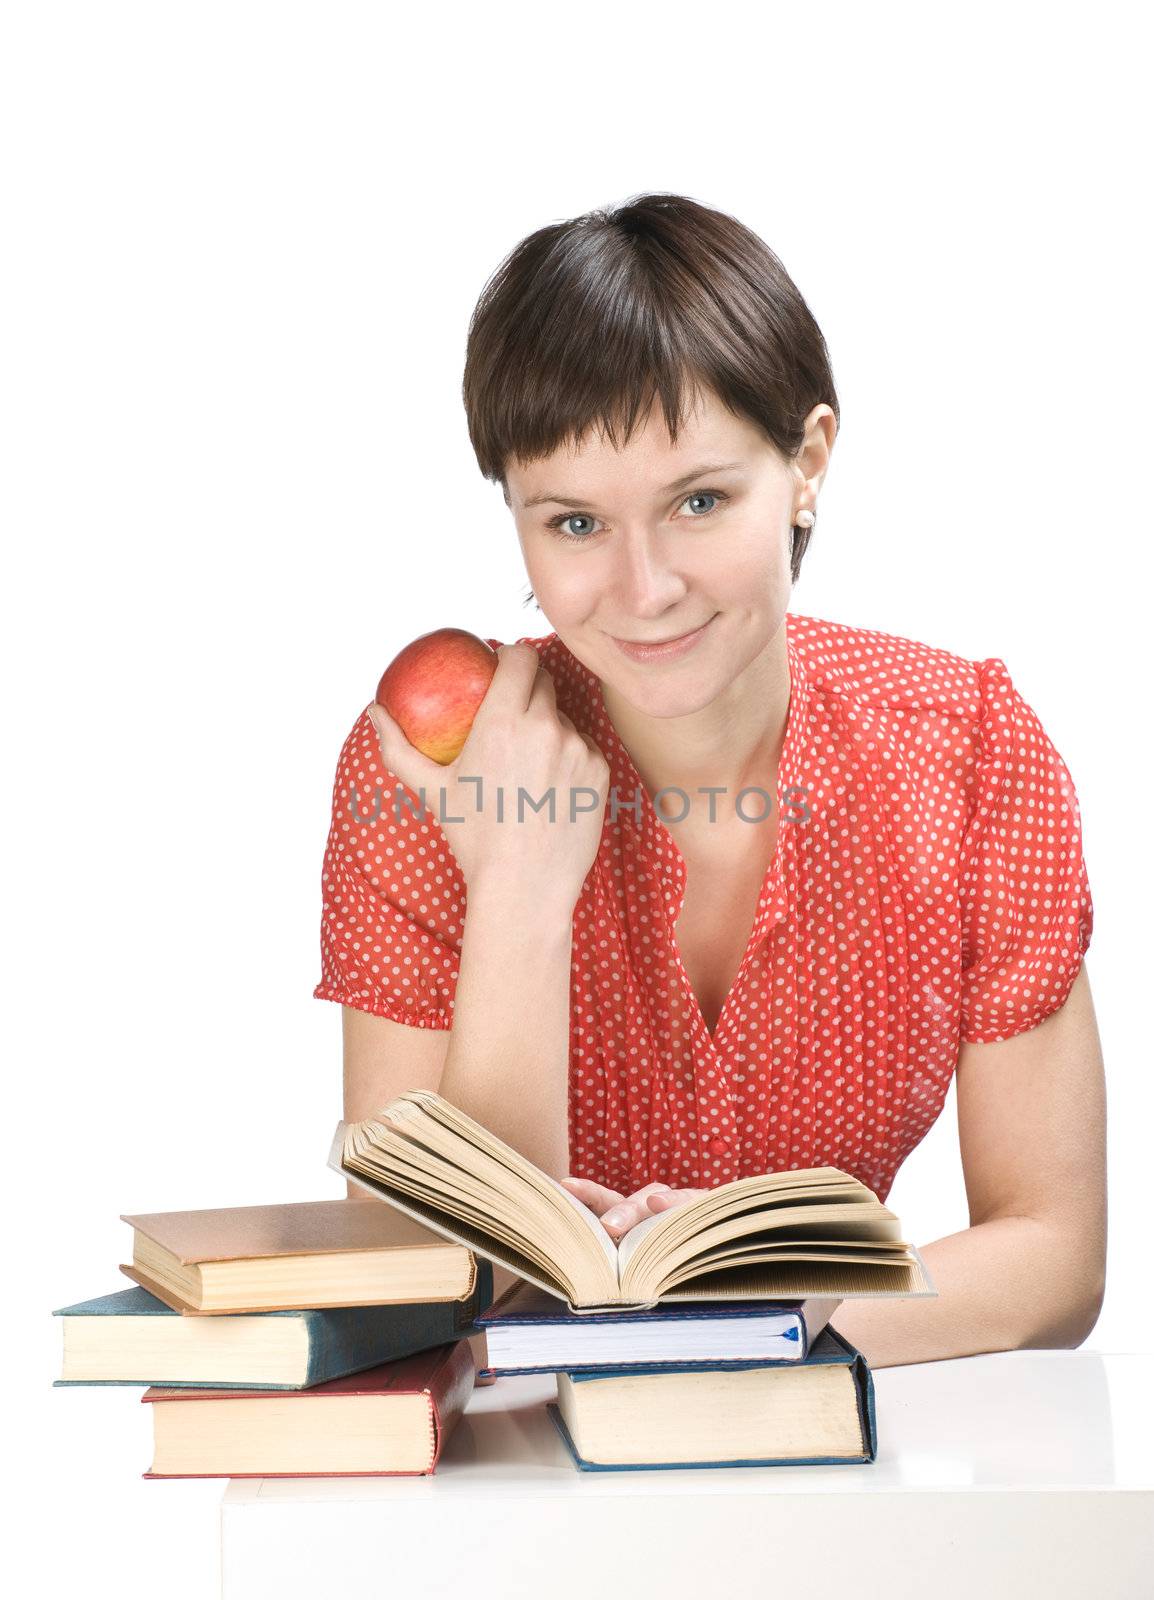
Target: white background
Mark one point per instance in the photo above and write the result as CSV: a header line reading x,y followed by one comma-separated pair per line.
x,y
243,245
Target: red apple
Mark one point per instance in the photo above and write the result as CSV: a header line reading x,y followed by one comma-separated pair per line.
x,y
433,688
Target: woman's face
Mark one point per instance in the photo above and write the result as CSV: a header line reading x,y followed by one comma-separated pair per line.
x,y
662,539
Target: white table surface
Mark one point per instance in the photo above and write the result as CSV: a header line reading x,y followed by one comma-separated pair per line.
x,y
1027,1473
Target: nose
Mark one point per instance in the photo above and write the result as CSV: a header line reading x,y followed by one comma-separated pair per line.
x,y
646,581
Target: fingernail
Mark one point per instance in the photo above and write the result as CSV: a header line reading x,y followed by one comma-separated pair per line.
x,y
614,1218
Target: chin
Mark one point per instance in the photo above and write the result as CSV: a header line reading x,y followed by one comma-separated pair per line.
x,y
667,699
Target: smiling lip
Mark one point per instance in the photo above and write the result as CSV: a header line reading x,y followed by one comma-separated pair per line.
x,y
664,651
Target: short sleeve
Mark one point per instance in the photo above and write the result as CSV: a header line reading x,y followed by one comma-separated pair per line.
x,y
393,895
1026,909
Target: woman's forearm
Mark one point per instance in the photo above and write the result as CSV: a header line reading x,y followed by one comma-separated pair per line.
x,y
508,1059
1012,1283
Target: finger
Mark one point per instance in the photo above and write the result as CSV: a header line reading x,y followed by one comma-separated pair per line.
x,y
591,745
403,759
595,1195
589,1191
619,1219
674,1197
513,682
587,739
544,691
650,1188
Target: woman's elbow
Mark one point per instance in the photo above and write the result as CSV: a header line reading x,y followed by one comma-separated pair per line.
x,y
1090,1309
1072,1313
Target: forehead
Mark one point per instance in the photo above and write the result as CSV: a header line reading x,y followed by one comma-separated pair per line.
x,y
709,433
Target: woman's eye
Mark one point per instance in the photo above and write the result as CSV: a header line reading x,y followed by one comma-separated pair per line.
x,y
557,523
704,494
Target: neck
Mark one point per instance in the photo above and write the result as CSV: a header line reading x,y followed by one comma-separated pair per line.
x,y
732,743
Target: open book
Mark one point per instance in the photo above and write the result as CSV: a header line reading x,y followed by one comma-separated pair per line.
x,y
780,1236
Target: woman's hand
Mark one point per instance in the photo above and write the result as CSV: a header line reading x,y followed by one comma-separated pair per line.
x,y
518,739
619,1212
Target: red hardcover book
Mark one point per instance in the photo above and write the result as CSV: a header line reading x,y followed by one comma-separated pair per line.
x,y
389,1421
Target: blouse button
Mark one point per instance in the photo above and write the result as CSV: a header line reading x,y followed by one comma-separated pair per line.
x,y
718,1147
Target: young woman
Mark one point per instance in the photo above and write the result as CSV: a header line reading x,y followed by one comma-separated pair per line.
x,y
796,875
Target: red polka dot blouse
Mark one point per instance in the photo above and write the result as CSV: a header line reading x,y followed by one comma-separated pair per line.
x,y
928,886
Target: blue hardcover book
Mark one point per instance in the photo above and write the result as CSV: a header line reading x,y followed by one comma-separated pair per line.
x,y
819,1412
132,1332
528,1330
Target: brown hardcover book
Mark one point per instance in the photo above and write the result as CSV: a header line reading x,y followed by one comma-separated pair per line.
x,y
304,1253
389,1421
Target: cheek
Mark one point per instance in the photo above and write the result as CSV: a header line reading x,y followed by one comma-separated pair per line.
x,y
759,564
751,570
568,590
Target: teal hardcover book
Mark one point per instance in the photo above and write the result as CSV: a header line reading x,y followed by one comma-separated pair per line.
x,y
819,1412
131,1331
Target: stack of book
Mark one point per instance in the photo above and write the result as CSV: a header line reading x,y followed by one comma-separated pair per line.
x,y
336,1337
312,1338
702,1339
735,1383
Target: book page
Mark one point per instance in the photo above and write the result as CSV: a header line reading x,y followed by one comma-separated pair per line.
x,y
484,1140
636,1235
593,1221
813,1187
425,1146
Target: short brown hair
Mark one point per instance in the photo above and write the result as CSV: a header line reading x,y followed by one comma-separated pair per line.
x,y
586,320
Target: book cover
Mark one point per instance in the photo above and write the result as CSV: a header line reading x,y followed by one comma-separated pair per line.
x,y
829,1347
444,1376
298,1229
341,1340
779,1331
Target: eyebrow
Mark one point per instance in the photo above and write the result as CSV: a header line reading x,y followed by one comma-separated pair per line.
x,y
678,483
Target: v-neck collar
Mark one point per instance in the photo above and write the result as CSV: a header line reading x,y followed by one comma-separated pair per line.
x,y
650,836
